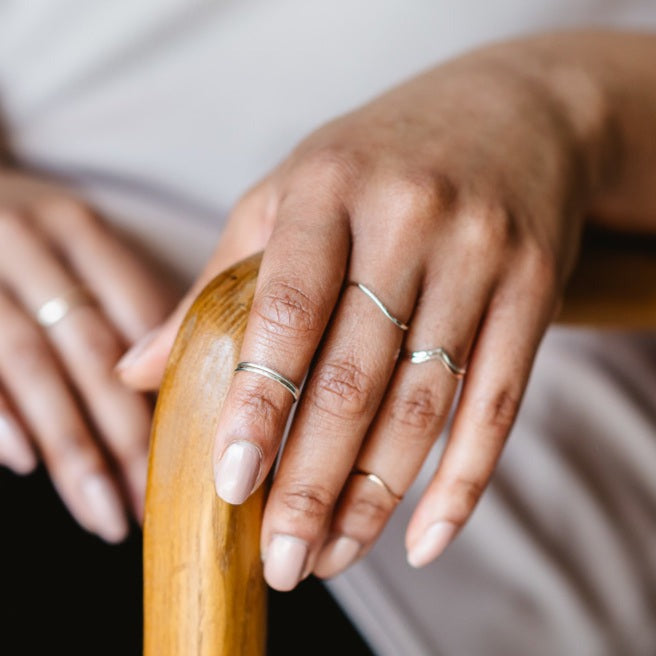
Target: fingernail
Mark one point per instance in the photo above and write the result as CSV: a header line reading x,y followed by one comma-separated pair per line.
x,y
432,543
14,447
105,503
336,556
237,472
132,356
284,562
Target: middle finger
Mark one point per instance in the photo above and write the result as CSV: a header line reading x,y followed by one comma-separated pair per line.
x,y
339,402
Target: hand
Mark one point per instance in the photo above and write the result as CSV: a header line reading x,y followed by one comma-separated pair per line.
x,y
59,397
457,198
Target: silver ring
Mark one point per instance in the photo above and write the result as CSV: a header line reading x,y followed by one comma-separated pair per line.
x,y
417,357
378,481
380,304
55,309
269,373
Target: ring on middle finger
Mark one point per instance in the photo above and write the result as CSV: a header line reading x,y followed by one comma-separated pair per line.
x,y
381,306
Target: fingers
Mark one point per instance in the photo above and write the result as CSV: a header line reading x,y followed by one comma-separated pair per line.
x,y
40,394
495,382
88,348
412,415
126,288
246,233
299,282
16,452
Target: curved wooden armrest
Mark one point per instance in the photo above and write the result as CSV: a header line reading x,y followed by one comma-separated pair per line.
x,y
204,593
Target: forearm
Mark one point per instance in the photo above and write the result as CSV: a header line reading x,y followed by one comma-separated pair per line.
x,y
606,83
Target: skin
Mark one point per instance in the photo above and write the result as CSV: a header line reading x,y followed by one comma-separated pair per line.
x,y
459,198
60,400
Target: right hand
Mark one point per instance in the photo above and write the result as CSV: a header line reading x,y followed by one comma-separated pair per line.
x,y
59,397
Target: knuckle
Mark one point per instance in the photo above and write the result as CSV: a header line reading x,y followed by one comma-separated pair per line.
x,y
327,168
540,267
307,501
373,511
421,197
286,310
100,345
29,355
487,229
419,409
13,226
497,411
464,494
256,404
341,388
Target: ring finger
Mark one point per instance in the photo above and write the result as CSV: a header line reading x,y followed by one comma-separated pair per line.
x,y
410,419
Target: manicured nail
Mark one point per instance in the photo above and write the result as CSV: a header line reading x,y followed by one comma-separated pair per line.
x,y
132,356
432,543
237,472
285,561
336,556
111,524
14,447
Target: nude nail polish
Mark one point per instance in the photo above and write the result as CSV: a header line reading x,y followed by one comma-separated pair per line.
x,y
104,502
14,448
237,471
285,561
336,556
432,543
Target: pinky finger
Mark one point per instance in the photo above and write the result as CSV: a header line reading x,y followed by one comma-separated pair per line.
x,y
16,451
498,373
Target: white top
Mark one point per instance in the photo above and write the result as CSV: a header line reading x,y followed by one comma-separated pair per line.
x,y
162,112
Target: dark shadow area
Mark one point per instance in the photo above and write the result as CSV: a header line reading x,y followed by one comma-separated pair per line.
x,y
65,591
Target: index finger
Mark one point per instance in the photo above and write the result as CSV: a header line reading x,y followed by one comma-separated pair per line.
x,y
300,279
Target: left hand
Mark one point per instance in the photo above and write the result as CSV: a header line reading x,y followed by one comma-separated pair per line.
x,y
458,199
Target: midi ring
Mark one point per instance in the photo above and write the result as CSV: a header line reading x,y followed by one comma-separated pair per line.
x,y
270,373
381,306
56,308
378,481
417,357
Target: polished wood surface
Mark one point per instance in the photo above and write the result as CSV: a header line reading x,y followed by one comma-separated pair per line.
x,y
204,593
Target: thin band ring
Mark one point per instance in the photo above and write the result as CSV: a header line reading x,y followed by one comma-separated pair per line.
x,y
417,357
55,309
378,481
380,304
270,373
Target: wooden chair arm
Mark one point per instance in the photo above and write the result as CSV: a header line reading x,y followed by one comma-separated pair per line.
x,y
204,592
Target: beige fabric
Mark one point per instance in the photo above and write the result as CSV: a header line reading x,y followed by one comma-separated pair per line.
x,y
560,556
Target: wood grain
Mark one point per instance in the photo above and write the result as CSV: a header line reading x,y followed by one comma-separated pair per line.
x,y
204,594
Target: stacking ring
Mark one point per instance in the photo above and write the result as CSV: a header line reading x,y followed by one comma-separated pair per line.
x,y
380,304
56,308
378,481
270,373
417,357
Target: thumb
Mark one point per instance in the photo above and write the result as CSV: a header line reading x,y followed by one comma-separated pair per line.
x,y
246,233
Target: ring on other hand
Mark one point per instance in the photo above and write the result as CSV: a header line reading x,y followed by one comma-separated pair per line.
x,y
378,481
270,373
55,309
417,357
382,307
